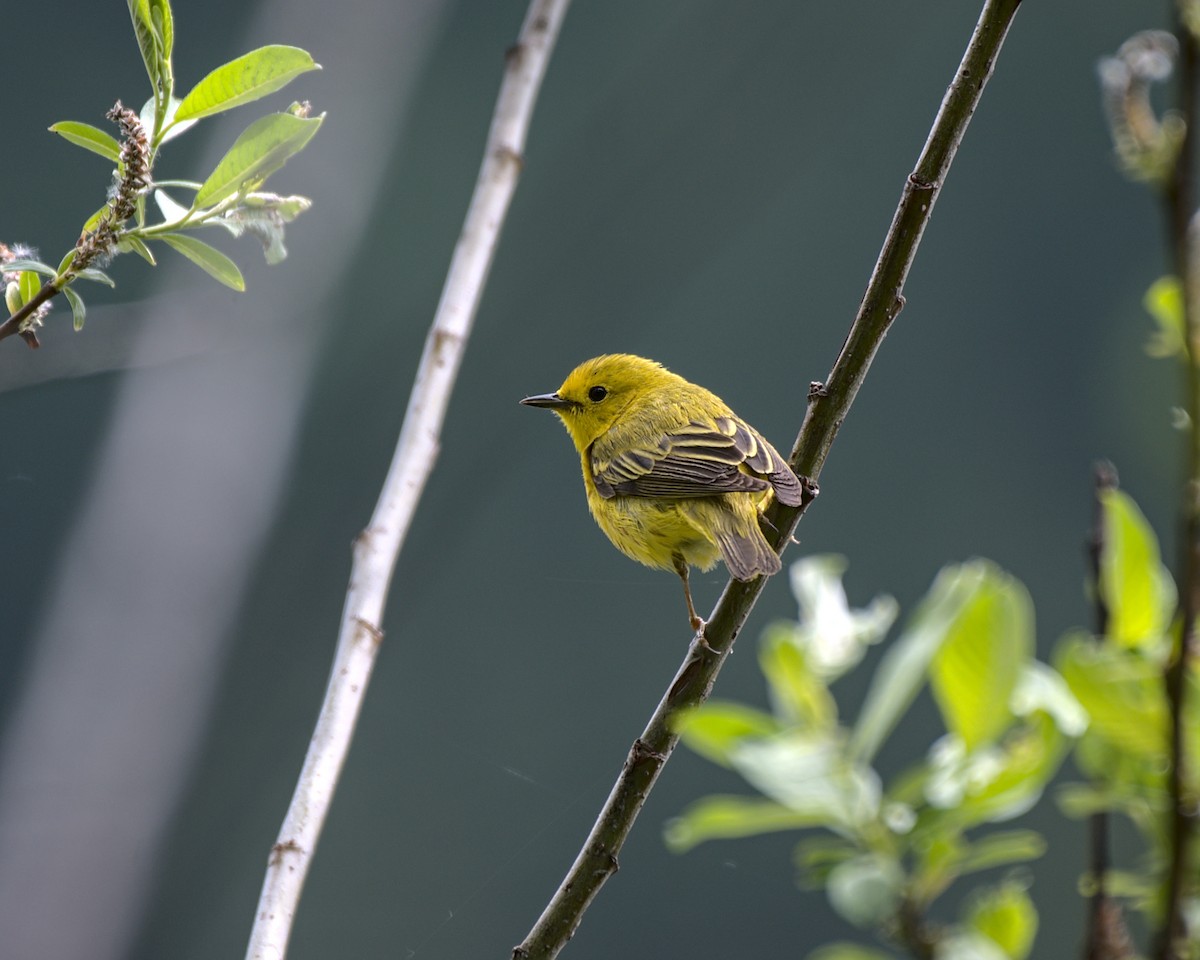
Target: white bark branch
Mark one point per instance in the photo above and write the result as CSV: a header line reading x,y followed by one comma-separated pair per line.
x,y
378,546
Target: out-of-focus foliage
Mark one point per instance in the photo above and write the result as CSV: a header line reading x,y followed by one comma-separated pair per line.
x,y
1118,677
888,851
1164,302
1145,143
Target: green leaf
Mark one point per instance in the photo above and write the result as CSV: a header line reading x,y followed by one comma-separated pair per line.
x,y
994,782
715,728
1001,848
132,244
148,42
1042,688
209,259
78,311
172,212
1135,586
169,129
866,890
731,817
96,276
816,855
1122,772
164,24
90,223
262,148
1134,885
24,263
1164,302
833,636
847,951
960,944
798,695
1122,693
945,856
154,28
249,77
29,283
1006,916
936,856
987,645
1079,800
89,137
808,773
902,669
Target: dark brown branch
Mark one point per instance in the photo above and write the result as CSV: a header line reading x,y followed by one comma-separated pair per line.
x,y
13,324
1105,937
1180,203
915,933
828,406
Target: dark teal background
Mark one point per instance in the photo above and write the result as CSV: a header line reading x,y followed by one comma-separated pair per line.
x,y
706,184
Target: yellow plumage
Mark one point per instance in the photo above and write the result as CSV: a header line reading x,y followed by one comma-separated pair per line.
x,y
673,477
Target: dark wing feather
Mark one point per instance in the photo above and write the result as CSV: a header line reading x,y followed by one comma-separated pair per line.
x,y
696,460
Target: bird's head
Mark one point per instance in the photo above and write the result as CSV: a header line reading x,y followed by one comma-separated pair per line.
x,y
598,391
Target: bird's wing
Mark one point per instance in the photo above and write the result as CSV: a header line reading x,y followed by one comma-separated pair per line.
x,y
698,459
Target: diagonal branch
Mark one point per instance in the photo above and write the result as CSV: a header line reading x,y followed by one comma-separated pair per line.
x,y
377,547
13,324
828,406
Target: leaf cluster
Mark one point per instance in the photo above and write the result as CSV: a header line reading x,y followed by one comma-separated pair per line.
x,y
886,852
1118,678
232,196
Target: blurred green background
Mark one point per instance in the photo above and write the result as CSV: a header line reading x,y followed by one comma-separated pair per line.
x,y
706,184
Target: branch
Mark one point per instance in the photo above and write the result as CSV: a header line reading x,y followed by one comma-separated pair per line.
x,y
377,547
918,937
1180,204
13,324
828,406
1106,938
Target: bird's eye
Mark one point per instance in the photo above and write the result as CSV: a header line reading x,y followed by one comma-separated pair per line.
x,y
596,394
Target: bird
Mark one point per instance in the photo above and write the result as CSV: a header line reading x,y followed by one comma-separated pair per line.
x,y
673,477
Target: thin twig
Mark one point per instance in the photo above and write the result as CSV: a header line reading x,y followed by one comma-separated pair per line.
x,y
13,324
1180,201
829,403
377,547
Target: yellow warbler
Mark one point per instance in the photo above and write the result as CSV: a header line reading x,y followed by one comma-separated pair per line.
x,y
673,476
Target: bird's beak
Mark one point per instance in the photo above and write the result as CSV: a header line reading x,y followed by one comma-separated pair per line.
x,y
551,401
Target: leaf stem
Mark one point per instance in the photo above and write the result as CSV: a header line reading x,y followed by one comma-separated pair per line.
x,y
828,406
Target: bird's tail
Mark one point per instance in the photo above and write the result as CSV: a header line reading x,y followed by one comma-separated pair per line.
x,y
746,553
